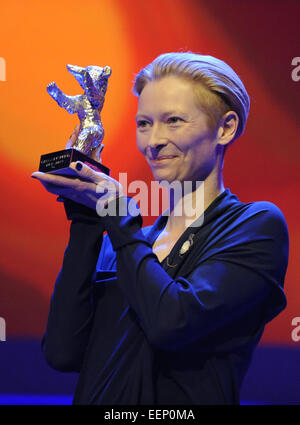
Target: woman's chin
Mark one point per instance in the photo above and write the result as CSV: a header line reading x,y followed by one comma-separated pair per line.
x,y
163,173
163,178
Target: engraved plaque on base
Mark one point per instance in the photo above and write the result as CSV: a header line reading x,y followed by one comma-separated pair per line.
x,y
58,162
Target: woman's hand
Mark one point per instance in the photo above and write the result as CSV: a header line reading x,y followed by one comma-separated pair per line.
x,y
89,187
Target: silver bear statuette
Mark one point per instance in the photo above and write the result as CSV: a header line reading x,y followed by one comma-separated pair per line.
x,y
93,80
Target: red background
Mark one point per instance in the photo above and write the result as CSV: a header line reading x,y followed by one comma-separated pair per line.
x,y
258,39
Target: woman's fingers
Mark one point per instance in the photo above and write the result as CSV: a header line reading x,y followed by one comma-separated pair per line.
x,y
53,179
74,189
87,186
82,171
55,189
100,179
87,173
86,181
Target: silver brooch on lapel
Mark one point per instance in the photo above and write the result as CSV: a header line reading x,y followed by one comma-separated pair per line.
x,y
187,244
184,248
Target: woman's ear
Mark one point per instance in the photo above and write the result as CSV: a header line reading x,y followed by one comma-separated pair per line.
x,y
228,127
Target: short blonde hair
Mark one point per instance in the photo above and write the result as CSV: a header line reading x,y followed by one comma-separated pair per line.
x,y
217,86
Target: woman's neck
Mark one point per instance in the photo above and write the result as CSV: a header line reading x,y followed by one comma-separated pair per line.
x,y
188,203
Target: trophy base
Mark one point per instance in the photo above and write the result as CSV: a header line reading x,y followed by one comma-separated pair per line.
x,y
58,162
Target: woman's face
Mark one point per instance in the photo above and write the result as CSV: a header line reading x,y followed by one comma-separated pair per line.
x,y
172,131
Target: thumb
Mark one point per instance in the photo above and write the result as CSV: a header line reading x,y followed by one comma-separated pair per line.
x,y
85,172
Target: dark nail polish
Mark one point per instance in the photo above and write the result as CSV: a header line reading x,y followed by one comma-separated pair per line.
x,y
78,166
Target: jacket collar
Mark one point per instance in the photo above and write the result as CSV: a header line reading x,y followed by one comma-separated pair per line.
x,y
217,207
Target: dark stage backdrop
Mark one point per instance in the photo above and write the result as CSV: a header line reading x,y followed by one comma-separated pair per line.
x,y
259,39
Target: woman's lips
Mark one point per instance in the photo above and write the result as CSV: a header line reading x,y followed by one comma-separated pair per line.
x,y
161,160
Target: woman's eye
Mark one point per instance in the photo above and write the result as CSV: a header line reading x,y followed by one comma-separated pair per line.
x,y
142,123
174,120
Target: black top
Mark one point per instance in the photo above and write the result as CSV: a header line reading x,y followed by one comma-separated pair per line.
x,y
177,332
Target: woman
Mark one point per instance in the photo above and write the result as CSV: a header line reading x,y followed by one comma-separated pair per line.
x,y
168,314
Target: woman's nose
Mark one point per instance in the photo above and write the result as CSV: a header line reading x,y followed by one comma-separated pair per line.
x,y
154,150
157,137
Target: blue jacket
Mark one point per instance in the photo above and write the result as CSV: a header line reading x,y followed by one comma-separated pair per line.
x,y
181,331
